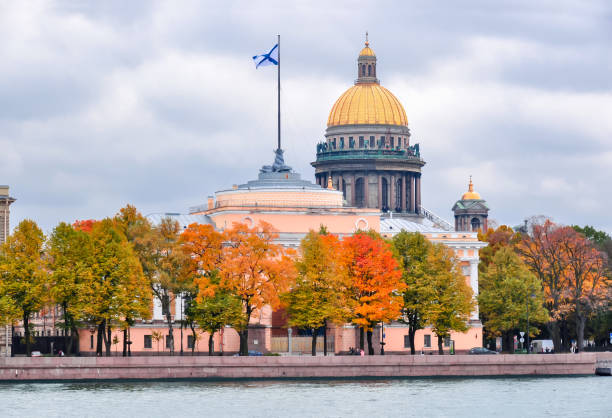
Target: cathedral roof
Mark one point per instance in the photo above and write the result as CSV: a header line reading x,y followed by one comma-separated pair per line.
x,y
367,102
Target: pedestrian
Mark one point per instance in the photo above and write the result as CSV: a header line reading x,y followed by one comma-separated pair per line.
x,y
362,353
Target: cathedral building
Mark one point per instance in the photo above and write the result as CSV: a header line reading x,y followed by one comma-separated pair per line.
x,y
367,151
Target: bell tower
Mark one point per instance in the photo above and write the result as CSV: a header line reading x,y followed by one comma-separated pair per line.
x,y
471,212
366,65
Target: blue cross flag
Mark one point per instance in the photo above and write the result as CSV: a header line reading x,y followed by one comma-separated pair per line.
x,y
271,58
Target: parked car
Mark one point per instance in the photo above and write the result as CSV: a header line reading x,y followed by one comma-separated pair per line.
x,y
36,354
481,350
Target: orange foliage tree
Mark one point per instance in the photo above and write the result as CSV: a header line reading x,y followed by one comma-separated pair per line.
x,y
376,282
572,272
256,270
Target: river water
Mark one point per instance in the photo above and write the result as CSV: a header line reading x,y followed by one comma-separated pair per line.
x,y
575,397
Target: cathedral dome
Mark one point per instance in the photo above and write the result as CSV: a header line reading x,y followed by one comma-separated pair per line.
x,y
367,104
471,194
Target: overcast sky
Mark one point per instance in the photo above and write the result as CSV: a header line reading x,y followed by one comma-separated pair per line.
x,y
158,104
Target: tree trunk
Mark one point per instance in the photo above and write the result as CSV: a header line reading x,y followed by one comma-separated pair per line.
x,y
166,308
124,353
129,349
73,342
361,339
193,333
555,335
99,337
108,341
67,326
244,334
580,324
440,347
26,327
370,346
211,344
314,342
411,334
325,337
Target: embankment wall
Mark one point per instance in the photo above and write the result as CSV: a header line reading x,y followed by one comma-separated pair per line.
x,y
104,368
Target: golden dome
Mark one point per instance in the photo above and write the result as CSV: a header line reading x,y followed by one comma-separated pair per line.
x,y
367,51
470,194
367,104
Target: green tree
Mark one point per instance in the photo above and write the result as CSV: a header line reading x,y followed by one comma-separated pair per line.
x,y
23,279
321,291
411,250
69,260
508,289
452,297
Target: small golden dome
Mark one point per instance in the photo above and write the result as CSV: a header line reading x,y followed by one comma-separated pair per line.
x,y
367,104
367,51
470,194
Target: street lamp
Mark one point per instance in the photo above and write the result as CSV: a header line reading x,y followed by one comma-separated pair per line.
x,y
382,343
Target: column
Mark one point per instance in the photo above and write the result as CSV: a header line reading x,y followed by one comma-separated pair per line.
x,y
403,193
366,189
340,183
379,191
392,203
412,193
474,285
418,192
352,202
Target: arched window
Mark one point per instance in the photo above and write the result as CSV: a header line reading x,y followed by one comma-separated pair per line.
x,y
475,224
385,195
359,193
369,70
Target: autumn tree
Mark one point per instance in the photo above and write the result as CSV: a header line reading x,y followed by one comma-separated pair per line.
x,y
208,304
496,238
320,293
23,279
411,250
588,280
508,293
256,270
69,260
118,289
375,281
452,296
542,251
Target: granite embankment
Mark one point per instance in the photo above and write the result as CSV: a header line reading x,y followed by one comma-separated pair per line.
x,y
107,368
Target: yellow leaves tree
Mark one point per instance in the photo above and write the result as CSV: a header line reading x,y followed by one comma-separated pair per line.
x,y
118,289
321,290
256,270
452,300
23,279
375,281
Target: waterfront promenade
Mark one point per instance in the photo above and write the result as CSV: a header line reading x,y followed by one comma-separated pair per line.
x,y
152,368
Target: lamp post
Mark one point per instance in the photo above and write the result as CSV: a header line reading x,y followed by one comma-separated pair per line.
x,y
382,343
182,310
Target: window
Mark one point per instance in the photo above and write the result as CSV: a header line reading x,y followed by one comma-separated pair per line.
x,y
427,341
447,342
392,143
168,345
369,70
372,142
190,341
91,341
148,341
361,142
475,224
406,341
381,144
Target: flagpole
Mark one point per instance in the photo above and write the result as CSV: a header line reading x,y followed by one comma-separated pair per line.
x,y
278,88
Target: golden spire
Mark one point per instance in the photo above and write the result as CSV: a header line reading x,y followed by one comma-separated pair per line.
x,y
367,43
471,194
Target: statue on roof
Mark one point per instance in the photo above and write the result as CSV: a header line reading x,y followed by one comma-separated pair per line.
x,y
278,166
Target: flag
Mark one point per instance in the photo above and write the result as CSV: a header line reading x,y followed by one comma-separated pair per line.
x,y
271,58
